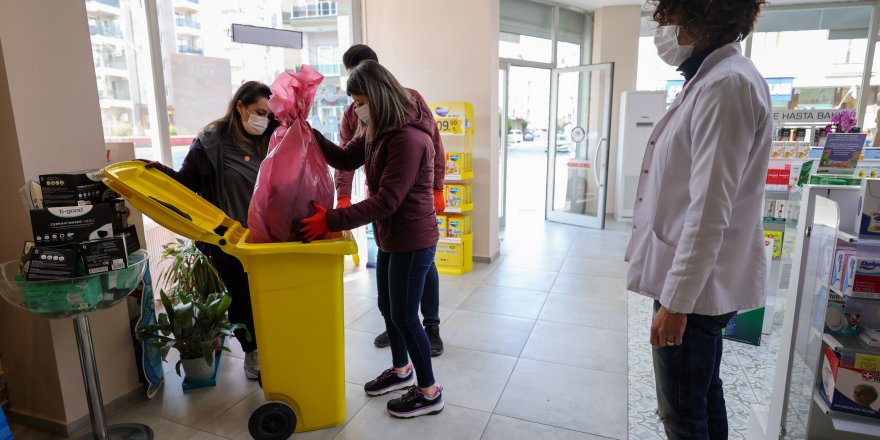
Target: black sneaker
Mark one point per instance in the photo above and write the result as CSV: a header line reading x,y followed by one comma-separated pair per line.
x,y
414,404
434,337
382,340
389,381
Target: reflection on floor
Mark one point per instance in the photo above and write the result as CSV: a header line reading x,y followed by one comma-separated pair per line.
x,y
534,351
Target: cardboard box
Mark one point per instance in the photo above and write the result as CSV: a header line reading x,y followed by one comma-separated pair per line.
x,y
132,242
800,134
51,263
455,196
777,245
849,389
99,256
777,149
849,273
838,267
458,226
458,163
74,189
769,209
864,275
803,150
780,206
442,225
868,218
790,150
72,224
783,179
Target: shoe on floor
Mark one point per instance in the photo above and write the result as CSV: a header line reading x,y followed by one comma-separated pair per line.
x,y
415,404
389,381
433,332
252,365
382,340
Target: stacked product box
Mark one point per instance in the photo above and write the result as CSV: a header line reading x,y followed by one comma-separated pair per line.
x,y
454,225
779,179
458,163
851,384
80,228
458,195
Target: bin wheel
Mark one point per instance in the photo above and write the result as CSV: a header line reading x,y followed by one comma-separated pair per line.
x,y
272,421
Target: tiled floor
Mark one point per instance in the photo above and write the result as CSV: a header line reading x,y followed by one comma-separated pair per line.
x,y
534,349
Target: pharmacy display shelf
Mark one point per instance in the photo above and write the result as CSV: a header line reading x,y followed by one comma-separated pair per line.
x,y
456,240
468,207
847,237
460,177
851,423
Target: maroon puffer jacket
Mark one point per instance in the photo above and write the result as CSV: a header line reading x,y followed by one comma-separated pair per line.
x,y
399,165
348,127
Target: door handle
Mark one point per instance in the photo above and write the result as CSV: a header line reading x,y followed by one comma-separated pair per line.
x,y
596,163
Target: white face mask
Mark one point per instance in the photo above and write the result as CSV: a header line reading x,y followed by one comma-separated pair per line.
x,y
363,113
672,53
256,124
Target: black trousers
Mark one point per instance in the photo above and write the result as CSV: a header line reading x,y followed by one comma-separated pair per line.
x,y
240,312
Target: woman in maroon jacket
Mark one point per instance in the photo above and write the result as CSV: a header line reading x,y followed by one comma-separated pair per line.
x,y
397,153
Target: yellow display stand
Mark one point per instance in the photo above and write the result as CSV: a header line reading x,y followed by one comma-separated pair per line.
x,y
297,295
455,255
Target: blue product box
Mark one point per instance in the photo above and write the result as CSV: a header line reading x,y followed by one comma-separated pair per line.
x,y
5,430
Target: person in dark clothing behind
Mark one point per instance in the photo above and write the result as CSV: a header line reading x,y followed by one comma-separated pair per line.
x,y
431,298
222,167
394,146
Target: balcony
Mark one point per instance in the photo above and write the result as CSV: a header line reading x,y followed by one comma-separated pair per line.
x,y
106,31
329,69
106,7
190,50
117,63
187,23
314,9
189,5
118,95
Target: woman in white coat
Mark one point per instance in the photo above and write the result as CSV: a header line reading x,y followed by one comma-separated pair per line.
x,y
697,241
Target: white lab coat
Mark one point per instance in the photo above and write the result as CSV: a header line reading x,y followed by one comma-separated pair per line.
x,y
697,239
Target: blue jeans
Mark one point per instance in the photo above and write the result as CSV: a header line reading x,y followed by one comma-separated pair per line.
x,y
400,278
431,297
690,397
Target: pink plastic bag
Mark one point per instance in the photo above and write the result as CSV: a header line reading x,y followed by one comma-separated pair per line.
x,y
294,172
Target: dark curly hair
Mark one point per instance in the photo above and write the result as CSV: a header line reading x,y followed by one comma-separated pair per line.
x,y
719,21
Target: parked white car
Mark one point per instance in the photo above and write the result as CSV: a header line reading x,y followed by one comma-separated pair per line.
x,y
514,136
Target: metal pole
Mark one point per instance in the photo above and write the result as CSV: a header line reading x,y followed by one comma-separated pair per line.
x,y
159,101
90,377
869,64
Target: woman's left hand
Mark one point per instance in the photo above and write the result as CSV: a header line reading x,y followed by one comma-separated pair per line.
x,y
314,227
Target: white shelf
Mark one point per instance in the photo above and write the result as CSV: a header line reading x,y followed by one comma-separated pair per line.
x,y
851,423
847,237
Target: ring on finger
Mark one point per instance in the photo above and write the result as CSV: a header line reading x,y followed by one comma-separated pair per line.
x,y
670,343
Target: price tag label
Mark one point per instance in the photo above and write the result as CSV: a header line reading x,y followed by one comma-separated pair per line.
x,y
449,125
867,362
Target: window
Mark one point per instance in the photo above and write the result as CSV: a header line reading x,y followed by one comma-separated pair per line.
x,y
328,60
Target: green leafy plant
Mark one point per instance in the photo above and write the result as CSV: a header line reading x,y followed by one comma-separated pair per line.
x,y
190,271
191,327
195,316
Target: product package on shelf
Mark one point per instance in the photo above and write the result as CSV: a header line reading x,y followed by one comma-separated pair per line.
x,y
458,163
867,223
72,224
458,226
441,224
776,236
851,389
76,188
458,195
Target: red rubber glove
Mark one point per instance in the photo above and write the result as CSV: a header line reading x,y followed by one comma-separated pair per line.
x,y
315,227
343,202
439,201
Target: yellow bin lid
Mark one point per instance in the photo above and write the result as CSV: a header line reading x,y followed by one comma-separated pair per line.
x,y
184,212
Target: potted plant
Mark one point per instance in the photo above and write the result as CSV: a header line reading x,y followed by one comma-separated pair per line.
x,y
192,327
195,316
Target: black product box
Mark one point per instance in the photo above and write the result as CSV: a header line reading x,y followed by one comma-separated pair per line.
x,y
105,255
800,134
784,135
72,224
76,188
120,214
51,263
132,242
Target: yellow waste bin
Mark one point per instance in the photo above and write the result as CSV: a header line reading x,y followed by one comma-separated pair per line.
x,y
297,295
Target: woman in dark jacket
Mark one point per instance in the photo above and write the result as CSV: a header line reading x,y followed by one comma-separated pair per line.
x,y
397,153
222,166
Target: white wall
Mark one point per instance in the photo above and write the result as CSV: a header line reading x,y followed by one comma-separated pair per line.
x,y
50,121
448,51
616,39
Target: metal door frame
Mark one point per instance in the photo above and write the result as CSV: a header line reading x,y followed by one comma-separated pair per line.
x,y
602,149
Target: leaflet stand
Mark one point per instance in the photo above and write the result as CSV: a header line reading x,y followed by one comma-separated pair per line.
x,y
75,299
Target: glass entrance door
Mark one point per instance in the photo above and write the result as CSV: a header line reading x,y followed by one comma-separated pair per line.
x,y
580,124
